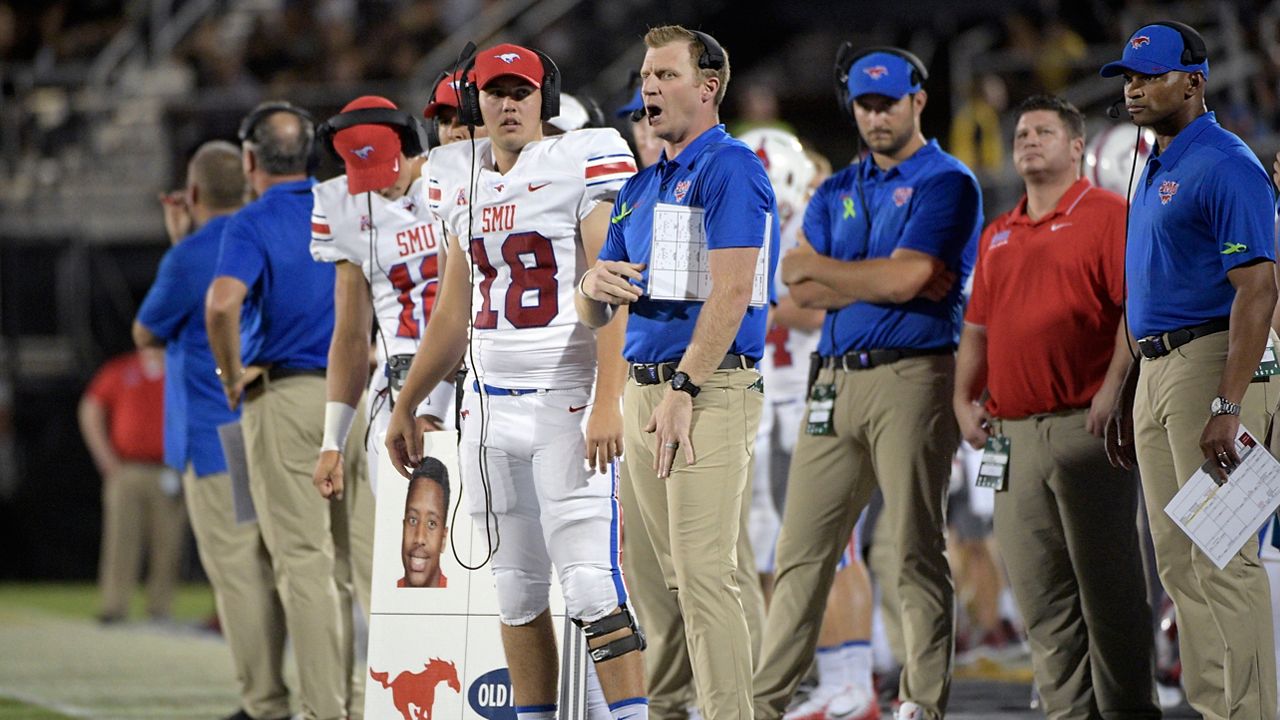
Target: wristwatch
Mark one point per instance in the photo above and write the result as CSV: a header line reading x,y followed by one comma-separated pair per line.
x,y
680,381
1219,406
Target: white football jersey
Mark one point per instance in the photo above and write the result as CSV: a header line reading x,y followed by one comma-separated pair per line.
x,y
398,245
785,364
525,249
404,268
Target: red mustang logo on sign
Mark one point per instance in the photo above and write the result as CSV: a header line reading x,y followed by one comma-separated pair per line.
x,y
875,72
419,689
1140,41
1168,189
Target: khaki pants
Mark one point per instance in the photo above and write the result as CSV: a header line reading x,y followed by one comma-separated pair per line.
x,y
694,519
309,538
1224,616
1068,532
249,609
136,512
668,672
894,428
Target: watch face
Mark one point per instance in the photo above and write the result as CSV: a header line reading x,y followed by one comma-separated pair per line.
x,y
1216,405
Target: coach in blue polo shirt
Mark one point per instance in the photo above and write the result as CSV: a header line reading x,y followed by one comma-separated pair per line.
x,y
693,402
172,316
891,240
316,548
1199,260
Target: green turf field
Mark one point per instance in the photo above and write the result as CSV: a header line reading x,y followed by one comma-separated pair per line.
x,y
58,662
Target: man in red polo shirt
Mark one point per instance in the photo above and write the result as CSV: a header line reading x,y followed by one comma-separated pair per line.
x,y
1043,338
122,419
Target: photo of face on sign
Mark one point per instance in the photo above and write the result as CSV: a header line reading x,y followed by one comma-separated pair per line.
x,y
416,548
425,532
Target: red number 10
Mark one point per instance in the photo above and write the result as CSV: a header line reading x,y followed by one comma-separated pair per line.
x,y
401,280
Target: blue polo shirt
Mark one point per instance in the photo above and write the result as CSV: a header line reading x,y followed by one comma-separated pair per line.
x,y
726,179
173,311
1202,207
267,246
930,203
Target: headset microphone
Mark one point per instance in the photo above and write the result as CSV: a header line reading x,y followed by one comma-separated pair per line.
x,y
1113,111
637,115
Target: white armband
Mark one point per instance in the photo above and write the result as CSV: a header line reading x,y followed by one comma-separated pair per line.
x,y
338,417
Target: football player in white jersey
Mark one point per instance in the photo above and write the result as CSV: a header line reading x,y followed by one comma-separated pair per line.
x,y
534,211
374,223
793,335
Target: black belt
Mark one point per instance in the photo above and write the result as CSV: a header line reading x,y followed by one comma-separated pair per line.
x,y
1157,346
654,373
867,359
276,374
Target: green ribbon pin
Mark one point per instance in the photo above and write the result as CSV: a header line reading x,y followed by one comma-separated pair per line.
x,y
849,210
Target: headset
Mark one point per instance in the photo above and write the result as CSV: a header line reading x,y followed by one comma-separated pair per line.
x,y
846,56
433,127
402,122
712,57
251,121
469,92
1194,50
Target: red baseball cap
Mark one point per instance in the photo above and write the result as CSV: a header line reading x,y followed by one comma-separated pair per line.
x,y
446,95
371,152
508,59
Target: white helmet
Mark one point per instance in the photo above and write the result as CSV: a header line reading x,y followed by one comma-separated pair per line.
x,y
573,114
790,170
1109,157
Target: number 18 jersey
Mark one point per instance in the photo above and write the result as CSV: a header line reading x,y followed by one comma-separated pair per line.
x,y
525,249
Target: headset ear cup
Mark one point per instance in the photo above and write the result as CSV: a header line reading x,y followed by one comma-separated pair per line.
x,y
845,58
550,86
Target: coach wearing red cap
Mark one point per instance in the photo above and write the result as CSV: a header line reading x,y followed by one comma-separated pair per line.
x,y
1200,264
1065,519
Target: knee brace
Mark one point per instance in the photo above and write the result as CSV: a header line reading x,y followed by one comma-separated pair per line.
x,y
521,596
611,624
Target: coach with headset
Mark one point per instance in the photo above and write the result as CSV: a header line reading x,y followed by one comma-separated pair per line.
x,y
265,263
1200,264
890,241
693,399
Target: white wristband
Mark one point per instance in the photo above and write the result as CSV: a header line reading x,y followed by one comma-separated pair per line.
x,y
338,417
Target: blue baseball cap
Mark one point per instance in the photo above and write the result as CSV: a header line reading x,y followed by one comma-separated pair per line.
x,y
882,73
635,104
1153,50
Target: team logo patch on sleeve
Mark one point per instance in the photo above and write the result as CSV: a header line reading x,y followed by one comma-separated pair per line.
x,y
902,195
1167,190
999,239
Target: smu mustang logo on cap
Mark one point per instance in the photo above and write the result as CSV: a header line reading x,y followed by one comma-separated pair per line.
x,y
508,58
1168,189
875,72
364,152
1139,41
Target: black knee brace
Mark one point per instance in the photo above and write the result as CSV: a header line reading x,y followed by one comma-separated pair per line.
x,y
611,624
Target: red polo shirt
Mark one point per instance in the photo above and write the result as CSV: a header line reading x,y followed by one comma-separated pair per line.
x,y
134,402
1049,294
